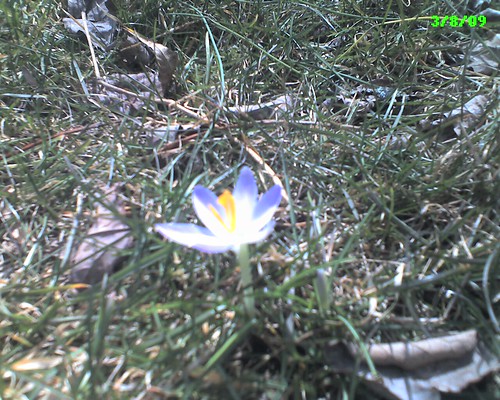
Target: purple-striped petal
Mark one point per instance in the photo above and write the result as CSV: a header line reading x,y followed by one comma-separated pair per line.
x,y
266,207
194,236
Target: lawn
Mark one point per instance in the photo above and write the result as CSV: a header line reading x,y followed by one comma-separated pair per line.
x,y
379,122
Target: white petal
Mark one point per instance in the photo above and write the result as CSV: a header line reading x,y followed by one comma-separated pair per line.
x,y
245,197
194,236
203,200
266,207
255,236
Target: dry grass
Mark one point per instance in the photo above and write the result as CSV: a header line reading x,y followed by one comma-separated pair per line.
x,y
374,197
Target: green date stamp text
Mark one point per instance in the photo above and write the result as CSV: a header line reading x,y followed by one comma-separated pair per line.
x,y
458,22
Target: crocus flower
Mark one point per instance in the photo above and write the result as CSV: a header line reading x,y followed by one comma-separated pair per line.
x,y
231,220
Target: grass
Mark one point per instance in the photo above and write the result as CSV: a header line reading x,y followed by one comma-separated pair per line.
x,y
372,196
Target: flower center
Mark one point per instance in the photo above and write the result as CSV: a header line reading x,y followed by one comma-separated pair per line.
x,y
226,200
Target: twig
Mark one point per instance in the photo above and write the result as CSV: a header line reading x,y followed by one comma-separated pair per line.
x,y
158,100
74,229
76,129
89,40
257,157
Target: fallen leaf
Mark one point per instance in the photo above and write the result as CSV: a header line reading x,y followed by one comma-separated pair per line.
x,y
491,14
100,251
484,57
413,355
128,93
101,25
448,368
169,133
166,60
167,63
96,10
134,53
274,108
466,117
462,118
475,4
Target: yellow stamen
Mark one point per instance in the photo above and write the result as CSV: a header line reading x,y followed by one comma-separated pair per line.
x,y
226,200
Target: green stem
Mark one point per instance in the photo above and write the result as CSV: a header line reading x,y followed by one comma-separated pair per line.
x,y
322,292
246,280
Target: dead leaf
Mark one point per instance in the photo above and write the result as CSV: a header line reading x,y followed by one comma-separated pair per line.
x,y
477,4
466,117
448,369
413,355
274,108
475,107
491,14
100,250
462,118
363,98
169,133
101,25
167,63
166,59
128,93
96,10
134,53
484,57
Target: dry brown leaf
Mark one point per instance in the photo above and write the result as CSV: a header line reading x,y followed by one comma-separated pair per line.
x,y
449,369
413,355
100,251
484,57
275,108
134,49
129,93
467,116
133,52
491,14
474,107
166,59
462,118
101,25
133,92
